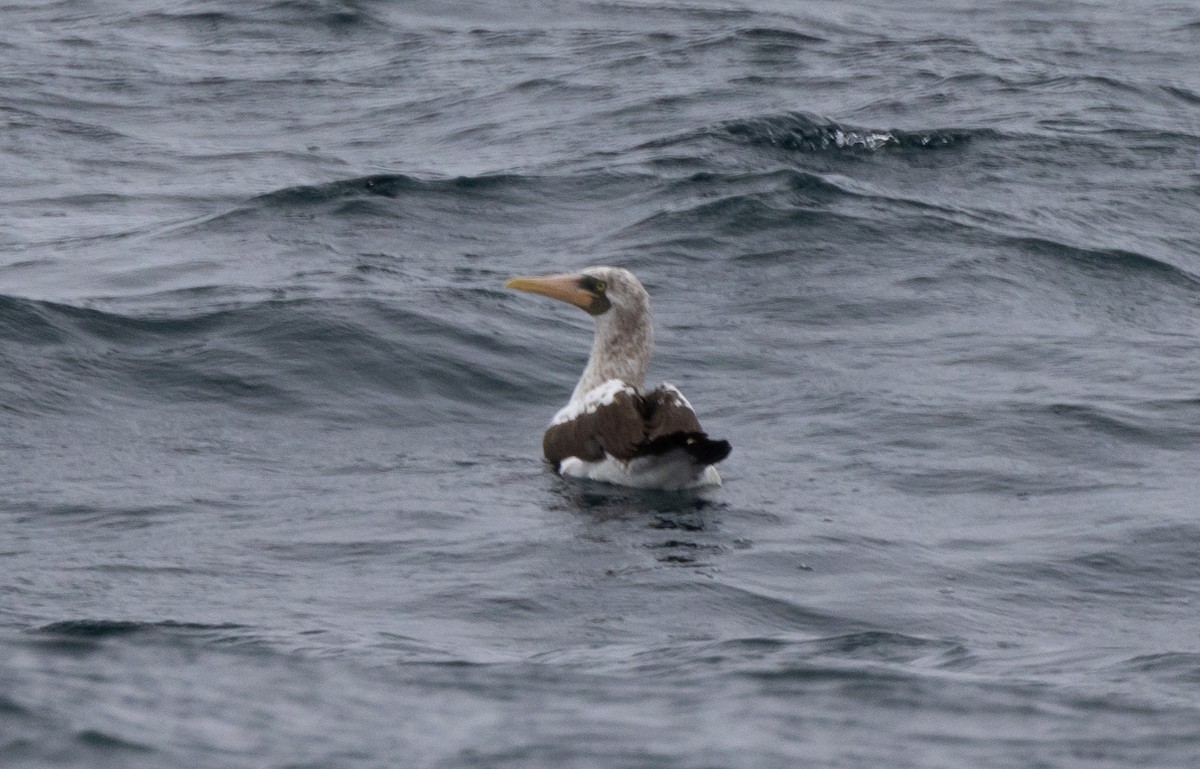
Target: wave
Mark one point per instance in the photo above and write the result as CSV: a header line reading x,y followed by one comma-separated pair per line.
x,y
306,14
855,655
95,739
1127,427
1110,260
474,205
99,628
1181,666
797,132
1157,560
90,635
276,356
390,186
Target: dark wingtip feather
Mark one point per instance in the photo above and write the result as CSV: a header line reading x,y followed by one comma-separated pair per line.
x,y
699,447
707,451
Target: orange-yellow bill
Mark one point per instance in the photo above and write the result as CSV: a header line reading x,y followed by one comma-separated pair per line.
x,y
565,288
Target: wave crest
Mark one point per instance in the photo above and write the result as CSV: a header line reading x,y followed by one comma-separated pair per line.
x,y
798,132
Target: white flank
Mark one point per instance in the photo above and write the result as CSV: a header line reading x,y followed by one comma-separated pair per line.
x,y
673,471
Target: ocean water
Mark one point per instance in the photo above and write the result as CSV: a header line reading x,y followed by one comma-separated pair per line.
x,y
270,425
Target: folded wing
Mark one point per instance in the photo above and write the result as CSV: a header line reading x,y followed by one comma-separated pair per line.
x,y
615,420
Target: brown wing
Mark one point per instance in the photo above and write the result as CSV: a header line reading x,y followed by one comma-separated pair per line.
x,y
671,423
668,412
614,425
625,425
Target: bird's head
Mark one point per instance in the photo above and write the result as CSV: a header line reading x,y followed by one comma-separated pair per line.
x,y
595,290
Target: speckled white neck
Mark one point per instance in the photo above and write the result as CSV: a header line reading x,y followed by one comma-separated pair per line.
x,y
621,348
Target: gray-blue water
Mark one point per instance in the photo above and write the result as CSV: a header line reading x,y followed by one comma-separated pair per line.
x,y
270,484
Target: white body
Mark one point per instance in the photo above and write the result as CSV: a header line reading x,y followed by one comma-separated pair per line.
x,y
673,471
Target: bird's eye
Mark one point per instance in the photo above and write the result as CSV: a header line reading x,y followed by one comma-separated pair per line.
x,y
600,287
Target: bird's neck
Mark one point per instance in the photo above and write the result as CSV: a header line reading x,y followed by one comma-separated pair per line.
x,y
620,350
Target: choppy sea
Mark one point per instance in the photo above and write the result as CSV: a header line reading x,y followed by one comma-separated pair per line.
x,y
271,492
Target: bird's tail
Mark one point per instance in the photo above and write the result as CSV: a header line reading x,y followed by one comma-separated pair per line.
x,y
702,449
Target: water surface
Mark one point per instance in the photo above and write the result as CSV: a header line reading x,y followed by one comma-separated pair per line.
x,y
270,457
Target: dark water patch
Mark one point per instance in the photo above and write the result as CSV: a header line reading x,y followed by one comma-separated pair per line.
x,y
1180,667
75,128
798,186
98,629
256,23
128,569
779,35
387,185
842,202
884,646
731,216
83,201
29,322
683,521
1146,567
539,84
869,683
96,739
344,552
553,88
881,653
32,321
10,707
1143,147
346,13
686,551
1054,448
124,516
1123,427
414,650
162,354
802,133
953,480
481,210
1077,82
767,47
206,19
88,636
769,613
392,186
1117,263
673,13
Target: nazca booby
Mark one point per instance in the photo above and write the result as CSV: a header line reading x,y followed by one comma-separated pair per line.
x,y
611,430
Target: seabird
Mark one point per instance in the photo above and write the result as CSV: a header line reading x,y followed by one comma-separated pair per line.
x,y
610,430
